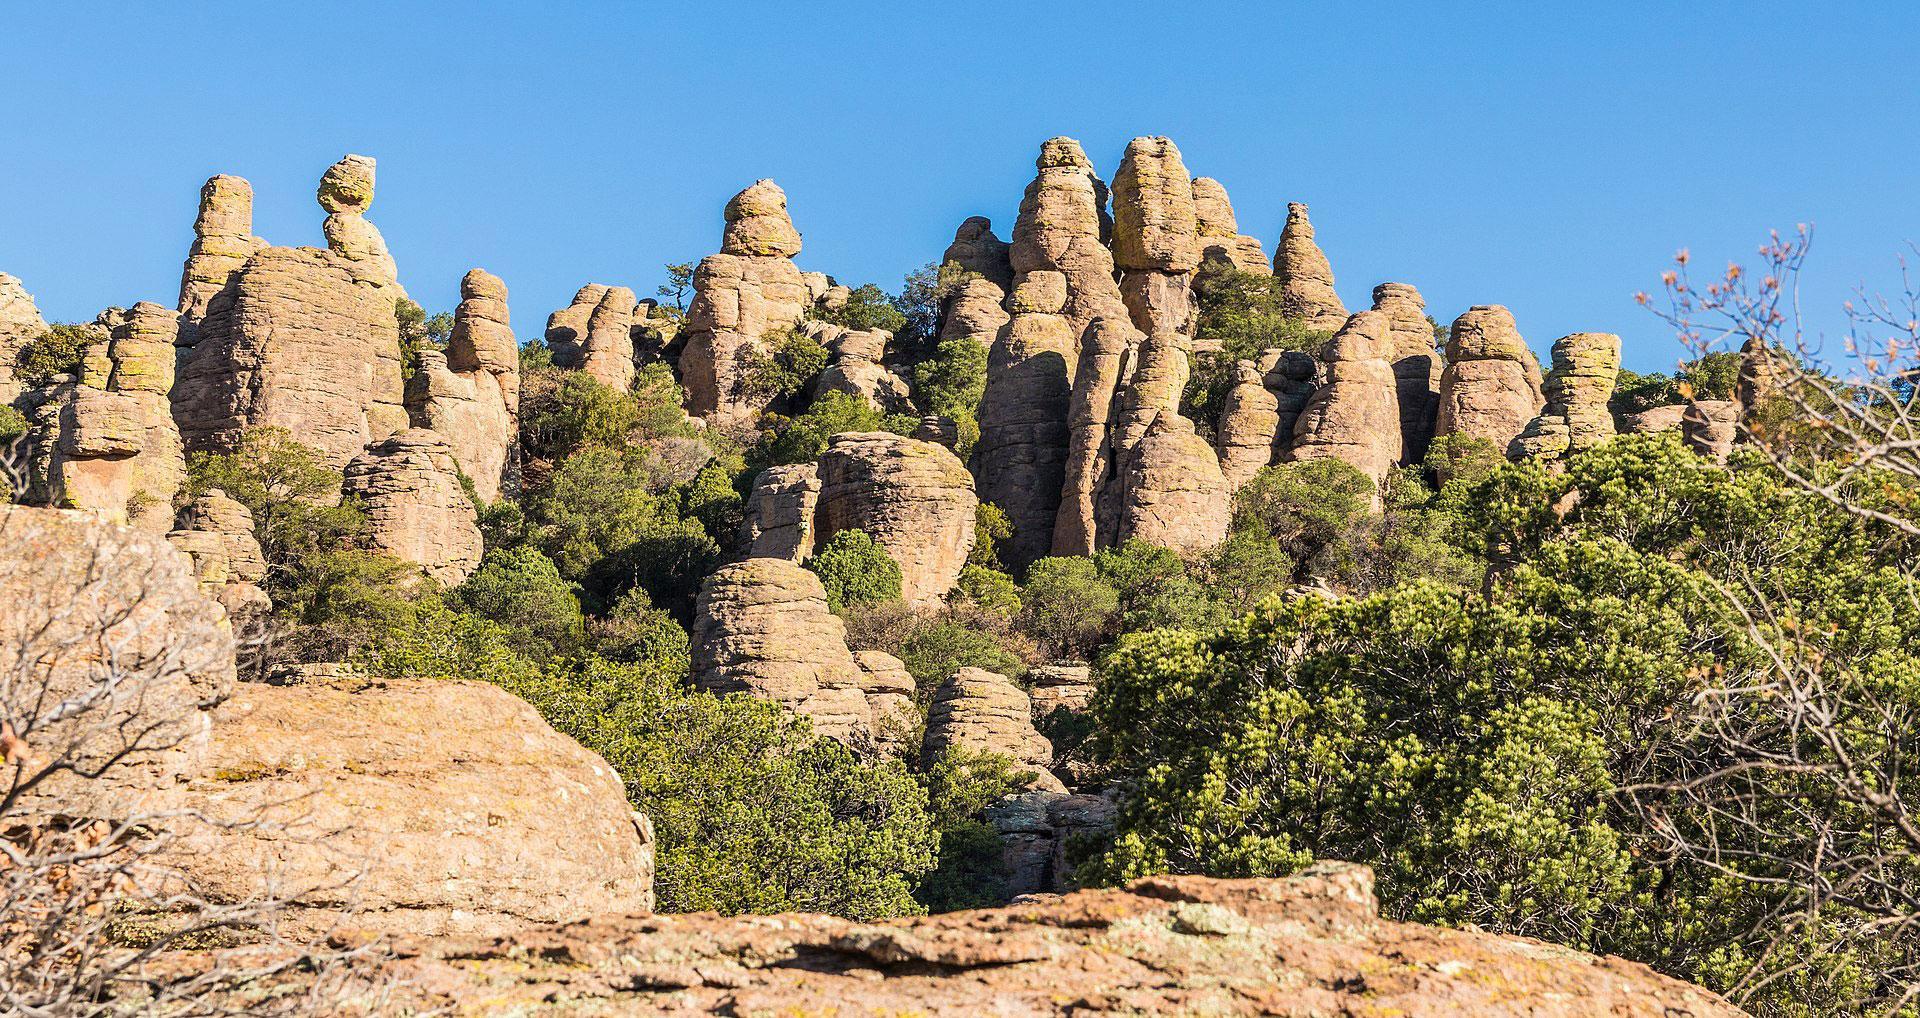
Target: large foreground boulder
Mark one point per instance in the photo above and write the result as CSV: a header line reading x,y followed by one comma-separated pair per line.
x,y
424,806
1309,945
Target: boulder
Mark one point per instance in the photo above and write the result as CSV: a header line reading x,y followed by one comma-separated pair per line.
x,y
779,518
607,354
416,509
430,807
1491,388
1710,427
762,627
1355,416
1654,421
1020,460
855,368
976,250
1060,687
1306,277
751,288
470,394
758,225
1249,421
1416,366
1312,944
1035,829
113,654
978,711
1220,236
567,328
1173,493
294,342
914,498
975,311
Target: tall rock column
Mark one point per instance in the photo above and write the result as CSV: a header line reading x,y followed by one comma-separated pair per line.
x,y
1293,376
1575,418
1093,408
1491,387
346,192
1063,227
749,289
1156,241
1169,489
223,240
1355,416
1020,460
607,354
1306,277
470,394
1416,366
1248,423
1220,236
142,352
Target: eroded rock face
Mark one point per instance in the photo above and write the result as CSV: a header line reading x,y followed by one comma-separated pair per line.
x,y
855,367
888,688
141,349
1156,241
1355,416
978,711
1063,227
1575,418
1306,277
1020,461
976,249
422,806
914,499
1220,236
470,394
607,353
1060,686
1093,408
566,333
762,627
749,289
975,312
1416,366
20,322
1035,828
105,614
779,519
223,240
416,508
1710,426
1301,947
1173,493
217,533
1491,387
294,342
1654,421
1293,376
1249,420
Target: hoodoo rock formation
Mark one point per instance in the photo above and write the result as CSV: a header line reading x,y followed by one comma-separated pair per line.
x,y
1105,357
1063,227
566,333
913,498
1168,487
749,289
1491,387
1249,420
346,192
223,240
227,560
855,368
20,322
470,394
1416,366
978,711
779,519
1292,377
1355,416
416,508
1576,418
1156,241
1306,277
1220,236
975,249
1020,461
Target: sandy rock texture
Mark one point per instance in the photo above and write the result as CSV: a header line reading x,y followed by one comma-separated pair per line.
x,y
1306,277
217,533
1220,236
416,508
1491,387
470,394
978,711
914,498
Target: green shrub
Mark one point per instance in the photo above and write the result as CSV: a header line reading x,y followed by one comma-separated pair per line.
x,y
1243,312
972,870
802,439
951,384
786,367
522,591
1068,606
562,411
61,350
635,632
991,528
868,307
987,590
855,571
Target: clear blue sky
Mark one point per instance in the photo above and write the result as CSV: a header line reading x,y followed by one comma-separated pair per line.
x,y
1550,157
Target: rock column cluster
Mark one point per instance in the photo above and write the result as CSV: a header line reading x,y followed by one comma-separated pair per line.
x,y
470,394
751,288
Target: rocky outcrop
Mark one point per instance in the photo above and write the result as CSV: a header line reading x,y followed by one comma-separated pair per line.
x,y
20,323
1306,277
1156,241
1491,387
779,518
1173,493
430,807
749,289
111,623
762,627
888,688
855,368
1762,370
1355,416
977,711
608,353
1035,829
470,394
141,350
1020,461
1293,376
1654,421
1576,418
976,250
217,533
975,312
1059,687
1093,408
1710,427
1063,228
416,509
566,333
913,498
1249,420
346,193
1313,944
1220,236
223,240
294,342
1416,366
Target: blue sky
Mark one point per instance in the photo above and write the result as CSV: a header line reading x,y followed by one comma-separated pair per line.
x,y
1544,156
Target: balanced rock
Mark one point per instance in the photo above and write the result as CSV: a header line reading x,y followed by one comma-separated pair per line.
x,y
1220,236
762,627
1063,228
223,240
1249,420
1355,416
1156,243
218,535
978,711
915,499
779,518
470,394
1491,388
1576,418
1306,277
977,251
1416,366
751,288
1021,457
416,508
1710,427
294,343
346,193
1105,358
430,807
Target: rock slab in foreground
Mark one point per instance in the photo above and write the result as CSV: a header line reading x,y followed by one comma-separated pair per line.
x,y
1309,945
